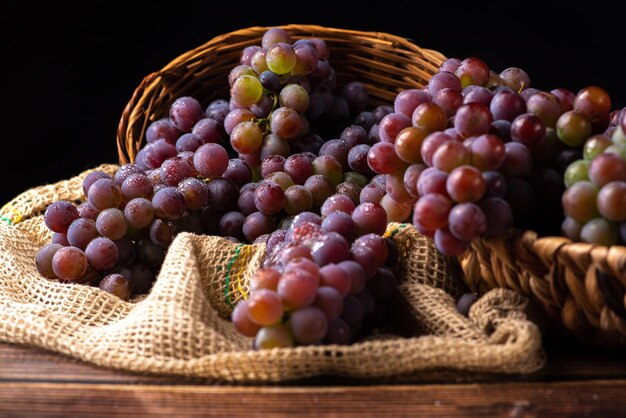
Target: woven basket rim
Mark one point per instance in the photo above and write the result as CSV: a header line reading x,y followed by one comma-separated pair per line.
x,y
152,80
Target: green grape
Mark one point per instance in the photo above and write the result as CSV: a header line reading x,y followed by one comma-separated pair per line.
x,y
573,128
576,171
595,146
246,90
356,178
600,231
273,337
281,58
617,149
618,136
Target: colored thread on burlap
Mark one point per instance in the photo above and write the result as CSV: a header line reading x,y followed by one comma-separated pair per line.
x,y
391,232
247,252
230,265
15,217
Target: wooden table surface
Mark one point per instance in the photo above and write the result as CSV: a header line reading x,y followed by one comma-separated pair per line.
x,y
577,381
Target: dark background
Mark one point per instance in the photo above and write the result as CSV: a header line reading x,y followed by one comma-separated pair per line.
x,y
68,71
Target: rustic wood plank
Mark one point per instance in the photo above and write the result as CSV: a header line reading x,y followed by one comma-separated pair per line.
x,y
21,363
24,364
586,398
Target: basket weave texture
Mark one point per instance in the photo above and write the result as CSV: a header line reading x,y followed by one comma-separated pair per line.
x,y
179,327
581,286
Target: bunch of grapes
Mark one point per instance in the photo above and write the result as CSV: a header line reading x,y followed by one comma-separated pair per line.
x,y
186,177
104,243
476,152
325,280
595,199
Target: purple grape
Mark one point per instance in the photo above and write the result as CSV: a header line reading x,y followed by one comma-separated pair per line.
x,y
185,113
60,215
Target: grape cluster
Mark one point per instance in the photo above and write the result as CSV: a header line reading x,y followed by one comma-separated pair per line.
x,y
476,152
255,168
105,242
595,199
325,280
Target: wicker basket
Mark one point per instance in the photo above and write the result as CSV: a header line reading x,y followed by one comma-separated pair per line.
x,y
580,285
386,64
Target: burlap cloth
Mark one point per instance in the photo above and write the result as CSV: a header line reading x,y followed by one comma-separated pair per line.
x,y
180,327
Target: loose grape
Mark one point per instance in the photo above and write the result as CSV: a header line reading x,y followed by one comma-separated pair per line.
x,y
515,78
575,172
528,129
102,254
391,125
241,320
211,160
382,158
370,218
466,184
43,260
432,210
275,336
472,119
81,232
606,168
408,144
611,201
473,71
407,100
573,128
246,90
281,58
579,201
593,102
507,105
69,263
600,231
308,325
117,285
448,244
168,203
185,113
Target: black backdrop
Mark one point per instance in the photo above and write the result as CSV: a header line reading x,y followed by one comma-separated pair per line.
x,y
67,72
